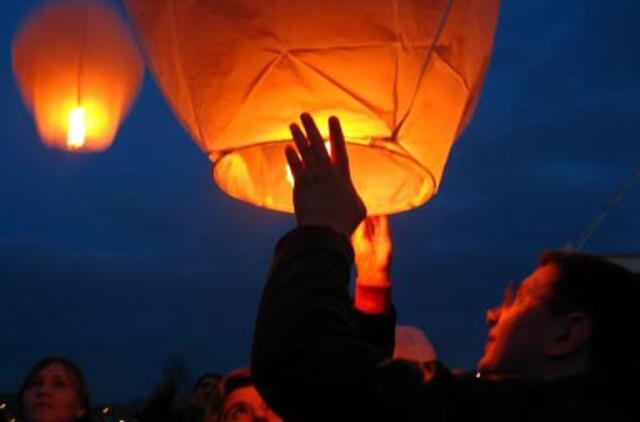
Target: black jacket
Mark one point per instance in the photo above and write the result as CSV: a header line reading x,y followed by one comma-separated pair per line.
x,y
313,361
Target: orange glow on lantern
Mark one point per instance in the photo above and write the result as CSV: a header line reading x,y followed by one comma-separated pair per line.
x,y
403,77
78,70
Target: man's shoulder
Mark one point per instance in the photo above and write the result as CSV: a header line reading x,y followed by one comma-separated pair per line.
x,y
583,397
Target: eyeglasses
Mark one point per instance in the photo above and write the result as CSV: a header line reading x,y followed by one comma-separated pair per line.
x,y
515,289
243,411
238,412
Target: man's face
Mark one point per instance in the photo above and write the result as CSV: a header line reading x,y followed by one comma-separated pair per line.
x,y
520,329
246,405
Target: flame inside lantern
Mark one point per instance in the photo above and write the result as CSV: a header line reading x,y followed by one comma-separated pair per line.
x,y
77,132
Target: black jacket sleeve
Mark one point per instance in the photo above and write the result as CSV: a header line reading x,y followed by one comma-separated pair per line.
x,y
311,361
377,330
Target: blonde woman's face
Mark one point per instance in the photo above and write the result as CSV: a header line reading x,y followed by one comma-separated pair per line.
x,y
51,396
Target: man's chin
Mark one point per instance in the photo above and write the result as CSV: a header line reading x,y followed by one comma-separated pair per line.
x,y
491,368
486,364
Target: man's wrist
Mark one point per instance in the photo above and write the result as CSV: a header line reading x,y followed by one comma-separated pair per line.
x,y
324,223
374,279
373,299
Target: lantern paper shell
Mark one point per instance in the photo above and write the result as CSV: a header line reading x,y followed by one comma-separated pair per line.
x,y
403,76
78,70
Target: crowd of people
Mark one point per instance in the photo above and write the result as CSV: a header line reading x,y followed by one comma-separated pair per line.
x,y
562,345
55,390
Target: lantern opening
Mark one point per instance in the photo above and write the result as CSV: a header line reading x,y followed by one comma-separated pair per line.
x,y
77,132
290,178
255,174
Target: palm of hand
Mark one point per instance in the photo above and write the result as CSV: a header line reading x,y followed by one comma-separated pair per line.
x,y
373,250
323,192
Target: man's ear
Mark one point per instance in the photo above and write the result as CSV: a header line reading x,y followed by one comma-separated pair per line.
x,y
571,333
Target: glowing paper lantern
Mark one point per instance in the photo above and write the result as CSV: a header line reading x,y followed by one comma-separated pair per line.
x,y
402,75
78,70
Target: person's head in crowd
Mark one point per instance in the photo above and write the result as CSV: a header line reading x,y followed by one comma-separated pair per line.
x,y
54,390
575,313
241,402
205,387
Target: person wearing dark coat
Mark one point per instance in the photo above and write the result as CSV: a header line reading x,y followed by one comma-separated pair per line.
x,y
563,345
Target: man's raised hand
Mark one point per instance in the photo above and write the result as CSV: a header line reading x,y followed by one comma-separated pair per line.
x,y
323,192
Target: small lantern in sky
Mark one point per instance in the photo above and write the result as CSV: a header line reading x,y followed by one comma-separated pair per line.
x,y
403,76
78,70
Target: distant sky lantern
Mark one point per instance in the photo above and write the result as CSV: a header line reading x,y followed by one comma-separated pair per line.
x,y
402,75
78,70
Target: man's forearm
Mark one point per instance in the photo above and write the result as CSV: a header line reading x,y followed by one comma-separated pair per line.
x,y
306,343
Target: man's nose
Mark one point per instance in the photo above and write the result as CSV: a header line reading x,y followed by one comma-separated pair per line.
x,y
263,414
260,413
43,389
492,316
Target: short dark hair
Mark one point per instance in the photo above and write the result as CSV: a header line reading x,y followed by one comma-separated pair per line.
x,y
80,383
236,379
609,294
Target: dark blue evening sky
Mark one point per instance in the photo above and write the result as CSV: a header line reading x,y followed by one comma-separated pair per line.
x,y
125,258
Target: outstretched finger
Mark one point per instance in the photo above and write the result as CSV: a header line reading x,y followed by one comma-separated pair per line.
x,y
302,144
383,234
316,141
338,146
381,224
358,234
297,169
370,226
